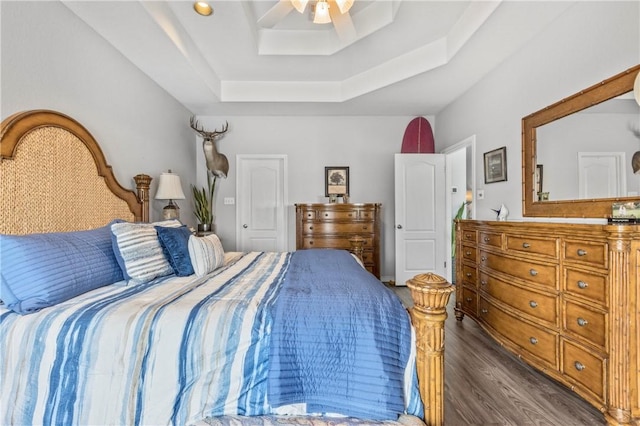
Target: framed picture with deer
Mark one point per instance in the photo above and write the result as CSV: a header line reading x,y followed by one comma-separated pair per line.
x,y
336,181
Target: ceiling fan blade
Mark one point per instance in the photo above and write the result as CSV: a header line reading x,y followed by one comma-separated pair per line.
x,y
275,14
342,23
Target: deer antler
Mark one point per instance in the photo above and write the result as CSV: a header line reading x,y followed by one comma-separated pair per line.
x,y
207,135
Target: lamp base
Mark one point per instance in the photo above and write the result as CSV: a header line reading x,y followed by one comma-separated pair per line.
x,y
171,211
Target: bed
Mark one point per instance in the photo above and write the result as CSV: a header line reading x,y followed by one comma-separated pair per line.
x,y
109,319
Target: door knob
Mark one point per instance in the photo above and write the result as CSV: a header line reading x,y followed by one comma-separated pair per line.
x,y
399,226
245,226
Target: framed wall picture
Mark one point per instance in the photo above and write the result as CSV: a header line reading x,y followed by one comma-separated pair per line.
x,y
336,180
495,165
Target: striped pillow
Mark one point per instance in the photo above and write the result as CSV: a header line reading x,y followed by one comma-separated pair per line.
x,y
206,254
139,252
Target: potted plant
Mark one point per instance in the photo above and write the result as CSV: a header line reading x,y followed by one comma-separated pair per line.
x,y
203,204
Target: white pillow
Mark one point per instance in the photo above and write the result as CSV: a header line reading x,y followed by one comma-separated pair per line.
x,y
206,254
139,252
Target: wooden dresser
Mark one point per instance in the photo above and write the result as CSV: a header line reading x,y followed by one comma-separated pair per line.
x,y
564,298
332,225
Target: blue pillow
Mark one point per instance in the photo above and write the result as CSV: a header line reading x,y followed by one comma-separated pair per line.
x,y
41,270
175,246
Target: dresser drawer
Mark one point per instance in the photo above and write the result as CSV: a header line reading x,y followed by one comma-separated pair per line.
x,y
336,228
469,253
469,236
491,239
469,301
539,342
539,273
542,246
594,254
328,242
587,285
469,274
586,323
585,367
541,306
337,214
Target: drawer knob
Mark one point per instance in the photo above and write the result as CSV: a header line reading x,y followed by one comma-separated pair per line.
x,y
533,304
483,258
364,228
311,228
468,253
579,366
525,245
310,243
582,252
399,226
467,236
533,272
483,283
582,284
533,340
484,311
468,274
582,322
468,299
487,239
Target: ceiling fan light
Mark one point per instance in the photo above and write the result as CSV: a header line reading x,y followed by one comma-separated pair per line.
x,y
299,5
321,14
344,5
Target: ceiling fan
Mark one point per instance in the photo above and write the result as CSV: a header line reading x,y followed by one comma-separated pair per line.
x,y
323,12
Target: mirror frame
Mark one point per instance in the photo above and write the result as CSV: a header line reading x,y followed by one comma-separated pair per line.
x,y
586,208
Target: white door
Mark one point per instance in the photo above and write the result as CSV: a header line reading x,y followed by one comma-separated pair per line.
x,y
600,175
261,194
420,215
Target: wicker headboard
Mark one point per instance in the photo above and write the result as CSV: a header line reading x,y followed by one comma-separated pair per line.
x,y
54,178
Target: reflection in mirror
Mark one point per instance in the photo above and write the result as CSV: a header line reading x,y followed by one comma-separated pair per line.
x,y
585,144
588,154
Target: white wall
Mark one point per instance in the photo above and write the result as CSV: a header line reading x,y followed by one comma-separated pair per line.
x,y
365,144
52,60
590,42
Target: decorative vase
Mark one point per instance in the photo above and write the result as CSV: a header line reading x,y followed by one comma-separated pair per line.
x,y
205,227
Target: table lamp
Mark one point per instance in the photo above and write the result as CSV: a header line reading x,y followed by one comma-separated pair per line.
x,y
170,188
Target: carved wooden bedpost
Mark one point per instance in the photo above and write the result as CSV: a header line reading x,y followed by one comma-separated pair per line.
x,y
430,294
143,183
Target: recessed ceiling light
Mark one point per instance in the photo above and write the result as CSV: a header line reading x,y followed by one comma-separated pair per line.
x,y
203,8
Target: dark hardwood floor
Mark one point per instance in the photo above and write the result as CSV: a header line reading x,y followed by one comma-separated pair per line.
x,y
486,385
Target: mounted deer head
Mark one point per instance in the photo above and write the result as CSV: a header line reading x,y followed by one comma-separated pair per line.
x,y
216,163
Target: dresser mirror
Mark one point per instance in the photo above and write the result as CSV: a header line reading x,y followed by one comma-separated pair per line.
x,y
576,153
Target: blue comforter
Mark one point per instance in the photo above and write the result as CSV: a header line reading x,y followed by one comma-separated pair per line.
x,y
340,340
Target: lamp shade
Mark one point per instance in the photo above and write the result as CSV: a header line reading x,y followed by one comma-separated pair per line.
x,y
169,187
321,15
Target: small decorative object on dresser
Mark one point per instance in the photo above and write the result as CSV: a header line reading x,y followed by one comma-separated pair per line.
x,y
336,181
495,165
333,225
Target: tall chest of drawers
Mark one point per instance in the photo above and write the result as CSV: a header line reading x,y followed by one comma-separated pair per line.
x,y
332,225
564,298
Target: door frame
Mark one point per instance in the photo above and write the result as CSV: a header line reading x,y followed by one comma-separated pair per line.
x,y
467,143
285,193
